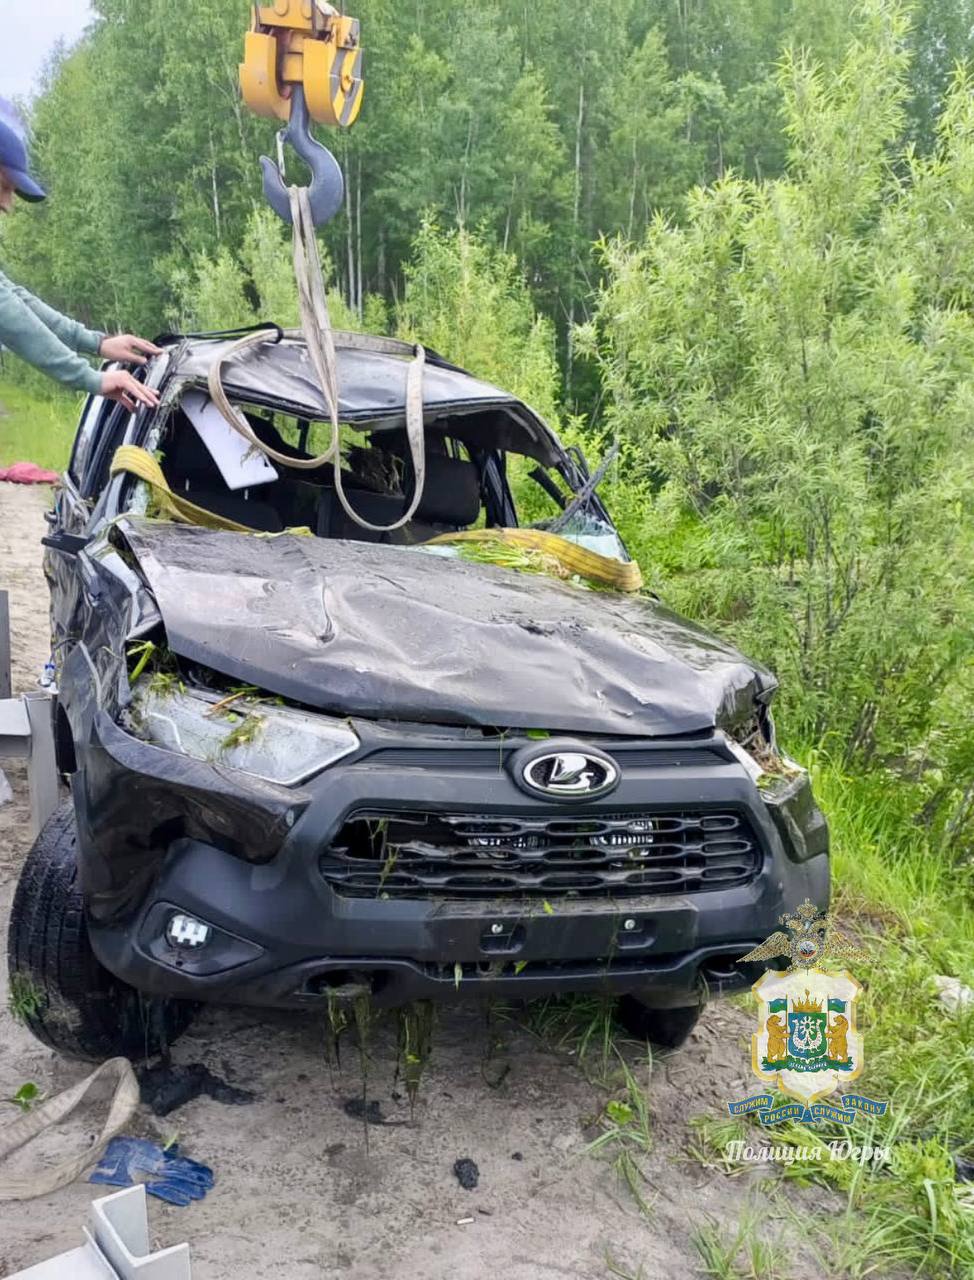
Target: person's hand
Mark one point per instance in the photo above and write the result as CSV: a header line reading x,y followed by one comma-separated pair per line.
x,y
121,386
127,348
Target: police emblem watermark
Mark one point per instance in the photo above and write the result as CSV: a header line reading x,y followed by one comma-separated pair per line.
x,y
807,1045
740,1151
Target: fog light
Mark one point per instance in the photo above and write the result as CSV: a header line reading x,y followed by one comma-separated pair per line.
x,y
187,931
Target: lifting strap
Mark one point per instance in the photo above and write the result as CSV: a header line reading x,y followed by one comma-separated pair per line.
x,y
317,331
623,576
139,462
47,1179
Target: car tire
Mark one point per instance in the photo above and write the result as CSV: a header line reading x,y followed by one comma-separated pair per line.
x,y
58,988
664,1028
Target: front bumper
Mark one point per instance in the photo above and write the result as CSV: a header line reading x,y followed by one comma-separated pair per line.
x,y
160,834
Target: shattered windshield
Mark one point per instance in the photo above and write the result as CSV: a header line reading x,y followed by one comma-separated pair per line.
x,y
565,501
592,532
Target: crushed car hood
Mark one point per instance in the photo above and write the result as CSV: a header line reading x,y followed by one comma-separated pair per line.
x,y
393,633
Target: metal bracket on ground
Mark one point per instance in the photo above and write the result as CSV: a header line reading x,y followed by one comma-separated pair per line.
x,y
27,732
116,1247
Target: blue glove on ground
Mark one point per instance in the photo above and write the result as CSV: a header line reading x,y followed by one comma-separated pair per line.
x,y
167,1175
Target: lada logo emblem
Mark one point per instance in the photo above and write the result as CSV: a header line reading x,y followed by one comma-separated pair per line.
x,y
569,775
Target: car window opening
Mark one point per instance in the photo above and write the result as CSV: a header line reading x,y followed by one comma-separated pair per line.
x,y
467,485
376,475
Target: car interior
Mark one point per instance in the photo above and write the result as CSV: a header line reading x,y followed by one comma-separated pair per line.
x,y
377,479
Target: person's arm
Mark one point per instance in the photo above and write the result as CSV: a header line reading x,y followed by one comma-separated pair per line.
x,y
28,335
70,332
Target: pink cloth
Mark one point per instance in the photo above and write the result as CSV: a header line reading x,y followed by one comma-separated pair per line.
x,y
27,473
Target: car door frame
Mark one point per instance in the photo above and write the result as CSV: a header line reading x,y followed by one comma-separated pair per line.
x,y
68,532
79,508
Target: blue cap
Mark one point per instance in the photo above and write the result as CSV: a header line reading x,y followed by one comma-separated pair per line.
x,y
13,153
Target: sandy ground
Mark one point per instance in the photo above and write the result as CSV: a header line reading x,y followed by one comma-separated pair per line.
x,y
297,1194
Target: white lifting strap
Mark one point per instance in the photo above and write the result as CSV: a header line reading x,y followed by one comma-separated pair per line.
x,y
47,1179
317,332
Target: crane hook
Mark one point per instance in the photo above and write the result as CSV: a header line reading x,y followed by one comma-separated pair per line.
x,y
326,191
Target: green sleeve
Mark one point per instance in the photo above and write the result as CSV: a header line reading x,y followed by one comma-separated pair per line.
x,y
46,339
70,332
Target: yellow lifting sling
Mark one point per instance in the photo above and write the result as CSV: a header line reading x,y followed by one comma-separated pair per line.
x,y
569,555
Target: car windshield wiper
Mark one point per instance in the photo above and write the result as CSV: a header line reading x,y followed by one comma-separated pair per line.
x,y
584,495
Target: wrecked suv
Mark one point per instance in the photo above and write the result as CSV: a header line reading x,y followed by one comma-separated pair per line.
x,y
310,761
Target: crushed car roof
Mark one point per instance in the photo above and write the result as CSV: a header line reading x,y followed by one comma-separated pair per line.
x,y
372,385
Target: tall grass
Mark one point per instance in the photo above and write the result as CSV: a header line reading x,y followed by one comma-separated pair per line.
x,y
909,902
37,422
911,899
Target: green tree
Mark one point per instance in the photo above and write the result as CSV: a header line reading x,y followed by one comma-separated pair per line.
x,y
657,148
792,369
531,200
224,290
942,36
545,125
68,247
468,301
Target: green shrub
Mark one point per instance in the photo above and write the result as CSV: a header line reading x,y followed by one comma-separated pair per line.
x,y
791,370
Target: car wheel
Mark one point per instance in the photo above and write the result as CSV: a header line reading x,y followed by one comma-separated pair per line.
x,y
665,1028
58,989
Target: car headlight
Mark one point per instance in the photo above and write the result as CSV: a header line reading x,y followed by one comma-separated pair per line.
x,y
753,742
279,744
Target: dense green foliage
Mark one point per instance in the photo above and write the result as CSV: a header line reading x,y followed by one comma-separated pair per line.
x,y
791,370
544,124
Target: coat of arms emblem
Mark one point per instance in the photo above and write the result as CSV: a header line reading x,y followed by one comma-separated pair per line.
x,y
807,1043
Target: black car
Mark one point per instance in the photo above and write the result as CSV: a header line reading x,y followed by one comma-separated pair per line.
x,y
310,760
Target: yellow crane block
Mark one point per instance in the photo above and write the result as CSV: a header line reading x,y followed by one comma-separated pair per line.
x,y
303,42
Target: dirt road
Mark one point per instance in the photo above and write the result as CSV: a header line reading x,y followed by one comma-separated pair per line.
x,y
297,1195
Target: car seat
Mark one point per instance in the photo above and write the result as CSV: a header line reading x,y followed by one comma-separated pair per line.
x,y
451,500
190,470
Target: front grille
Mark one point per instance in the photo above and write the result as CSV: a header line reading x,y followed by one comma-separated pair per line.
x,y
493,759
410,855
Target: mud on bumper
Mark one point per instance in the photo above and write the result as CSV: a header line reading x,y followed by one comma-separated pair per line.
x,y
260,864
